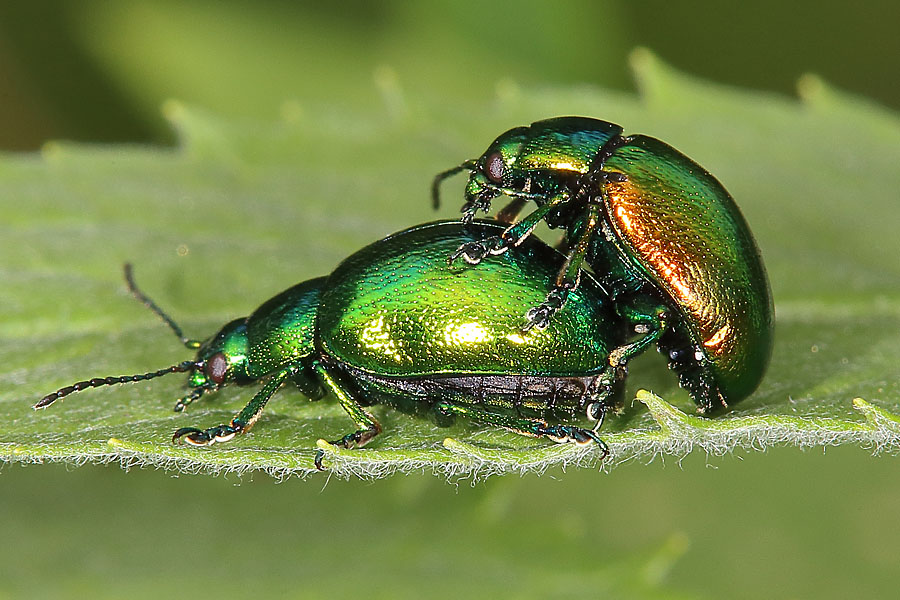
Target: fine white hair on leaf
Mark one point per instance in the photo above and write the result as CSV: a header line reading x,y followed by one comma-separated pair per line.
x,y
672,433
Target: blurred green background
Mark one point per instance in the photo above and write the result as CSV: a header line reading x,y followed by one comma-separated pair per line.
x,y
98,71
783,524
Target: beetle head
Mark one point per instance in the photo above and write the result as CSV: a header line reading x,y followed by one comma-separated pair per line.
x,y
223,358
491,174
494,172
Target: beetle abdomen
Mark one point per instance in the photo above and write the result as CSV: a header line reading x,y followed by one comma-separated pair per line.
x,y
528,394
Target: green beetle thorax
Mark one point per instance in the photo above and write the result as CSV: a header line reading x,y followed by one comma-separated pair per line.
x,y
565,147
540,160
223,358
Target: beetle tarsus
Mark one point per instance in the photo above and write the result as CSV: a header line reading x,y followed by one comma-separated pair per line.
x,y
194,394
320,454
474,252
356,439
191,435
565,434
481,203
539,316
206,437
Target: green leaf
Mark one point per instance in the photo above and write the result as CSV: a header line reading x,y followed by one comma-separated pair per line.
x,y
242,209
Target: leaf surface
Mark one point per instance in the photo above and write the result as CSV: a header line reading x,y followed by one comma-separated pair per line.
x,y
242,209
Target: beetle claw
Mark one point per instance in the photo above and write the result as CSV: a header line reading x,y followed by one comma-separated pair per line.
x,y
538,317
471,207
320,454
208,437
474,252
564,434
192,436
356,439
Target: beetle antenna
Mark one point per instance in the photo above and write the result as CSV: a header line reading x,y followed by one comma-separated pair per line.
x,y
469,165
146,301
49,399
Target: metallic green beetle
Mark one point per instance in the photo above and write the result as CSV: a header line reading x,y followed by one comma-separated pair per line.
x,y
396,324
677,256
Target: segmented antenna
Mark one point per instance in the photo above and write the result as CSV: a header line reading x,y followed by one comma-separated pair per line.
x,y
49,399
146,301
469,165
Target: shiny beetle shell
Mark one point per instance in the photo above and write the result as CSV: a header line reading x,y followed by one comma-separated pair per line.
x,y
394,310
676,224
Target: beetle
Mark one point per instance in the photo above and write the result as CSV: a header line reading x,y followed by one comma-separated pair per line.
x,y
396,324
674,252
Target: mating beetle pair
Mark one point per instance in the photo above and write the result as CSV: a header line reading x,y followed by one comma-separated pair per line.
x,y
673,261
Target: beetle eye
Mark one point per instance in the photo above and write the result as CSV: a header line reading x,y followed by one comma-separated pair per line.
x,y
494,167
216,366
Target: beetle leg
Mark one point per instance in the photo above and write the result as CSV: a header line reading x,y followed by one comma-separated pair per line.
x,y
650,323
533,427
539,316
471,208
694,374
514,234
596,411
308,385
242,421
703,387
508,213
368,426
569,275
605,393
474,252
195,394
571,269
